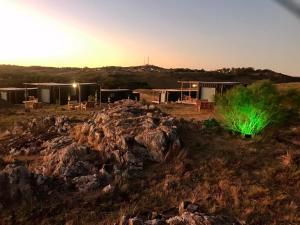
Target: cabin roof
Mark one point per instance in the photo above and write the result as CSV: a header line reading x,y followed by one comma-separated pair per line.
x,y
53,84
174,89
115,90
16,89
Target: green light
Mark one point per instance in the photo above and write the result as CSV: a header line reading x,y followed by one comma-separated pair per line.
x,y
248,110
247,119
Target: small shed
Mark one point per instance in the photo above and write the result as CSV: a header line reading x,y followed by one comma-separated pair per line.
x,y
61,93
14,95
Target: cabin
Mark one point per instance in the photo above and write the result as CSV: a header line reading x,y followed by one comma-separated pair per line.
x,y
14,95
191,91
62,93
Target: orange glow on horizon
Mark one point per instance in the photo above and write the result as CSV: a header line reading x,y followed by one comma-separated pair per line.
x,y
32,38
28,36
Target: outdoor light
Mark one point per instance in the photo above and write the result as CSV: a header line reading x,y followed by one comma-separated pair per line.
x,y
74,85
194,85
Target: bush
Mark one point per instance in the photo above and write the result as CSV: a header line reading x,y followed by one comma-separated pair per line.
x,y
143,101
210,123
249,110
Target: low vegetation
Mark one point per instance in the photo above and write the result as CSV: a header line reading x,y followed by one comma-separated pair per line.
x,y
147,76
249,110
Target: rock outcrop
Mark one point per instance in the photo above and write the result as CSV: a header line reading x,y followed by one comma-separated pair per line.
x,y
129,135
115,142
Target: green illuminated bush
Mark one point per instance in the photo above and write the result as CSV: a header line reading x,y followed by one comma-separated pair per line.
x,y
248,110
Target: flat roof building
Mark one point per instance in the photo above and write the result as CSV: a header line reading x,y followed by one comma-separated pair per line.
x,y
15,95
61,93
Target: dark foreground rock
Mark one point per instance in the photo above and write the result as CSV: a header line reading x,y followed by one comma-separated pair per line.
x,y
189,214
17,184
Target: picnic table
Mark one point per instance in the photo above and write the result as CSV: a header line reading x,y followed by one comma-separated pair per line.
x,y
73,105
204,104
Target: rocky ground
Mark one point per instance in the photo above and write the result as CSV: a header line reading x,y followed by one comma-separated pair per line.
x,y
114,144
133,164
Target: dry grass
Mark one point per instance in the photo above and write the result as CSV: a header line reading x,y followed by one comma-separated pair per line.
x,y
285,86
287,159
255,180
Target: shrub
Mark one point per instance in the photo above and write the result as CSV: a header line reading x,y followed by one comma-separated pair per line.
x,y
248,110
143,101
210,123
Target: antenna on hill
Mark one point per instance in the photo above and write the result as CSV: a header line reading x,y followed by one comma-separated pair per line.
x,y
146,61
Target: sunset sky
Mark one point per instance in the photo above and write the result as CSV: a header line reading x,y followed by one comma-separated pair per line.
x,y
209,34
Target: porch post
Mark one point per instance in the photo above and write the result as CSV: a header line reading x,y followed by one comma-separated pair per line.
x,y
181,94
100,96
79,93
167,96
190,91
26,93
59,101
198,88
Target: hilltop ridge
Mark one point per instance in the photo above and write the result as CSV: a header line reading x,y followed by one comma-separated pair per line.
x,y
146,76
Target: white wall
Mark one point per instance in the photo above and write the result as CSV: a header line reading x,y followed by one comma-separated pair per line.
x,y
208,94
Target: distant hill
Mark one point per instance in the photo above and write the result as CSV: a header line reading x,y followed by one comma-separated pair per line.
x,y
147,76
